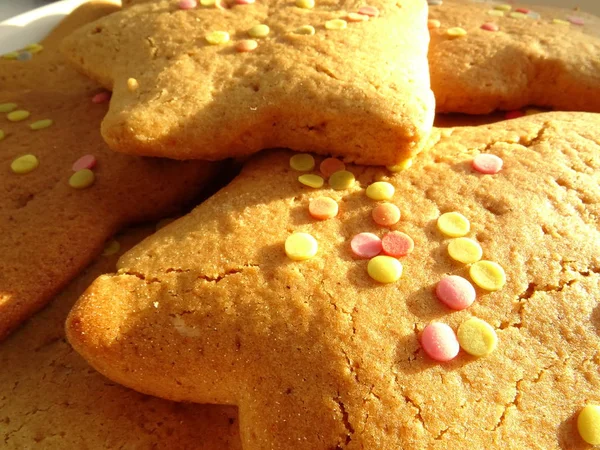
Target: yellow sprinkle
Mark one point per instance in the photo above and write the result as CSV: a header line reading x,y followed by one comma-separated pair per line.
x,y
384,269
406,164
588,424
258,31
302,162
24,164
301,246
2,135
164,222
11,55
488,275
132,84
477,337
7,107
81,179
518,15
306,30
465,250
495,12
208,2
456,32
41,124
111,248
503,7
336,24
342,179
313,181
560,22
380,190
306,4
18,115
453,224
217,37
34,48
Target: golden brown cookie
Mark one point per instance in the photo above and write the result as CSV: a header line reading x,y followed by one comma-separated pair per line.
x,y
485,56
319,355
57,74
51,229
279,75
51,399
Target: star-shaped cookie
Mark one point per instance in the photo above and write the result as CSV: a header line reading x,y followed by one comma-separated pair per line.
x,y
319,355
325,78
53,400
487,55
64,192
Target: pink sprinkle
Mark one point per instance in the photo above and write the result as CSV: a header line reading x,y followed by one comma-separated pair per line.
x,y
366,245
576,20
246,45
489,26
244,2
370,11
101,97
439,342
523,10
455,292
187,4
397,244
487,163
513,114
85,162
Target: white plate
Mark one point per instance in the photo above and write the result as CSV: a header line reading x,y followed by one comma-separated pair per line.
x,y
34,25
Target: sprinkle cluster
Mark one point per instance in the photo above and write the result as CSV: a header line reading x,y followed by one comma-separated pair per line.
x,y
502,10
261,31
475,336
383,253
439,341
83,175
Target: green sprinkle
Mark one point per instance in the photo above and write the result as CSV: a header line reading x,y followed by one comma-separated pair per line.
x,y
24,164
305,4
41,124
34,48
81,179
7,107
18,115
2,135
306,30
259,31
217,37
11,55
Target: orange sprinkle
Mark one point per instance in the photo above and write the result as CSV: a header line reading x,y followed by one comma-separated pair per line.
x,y
323,208
433,23
386,214
331,165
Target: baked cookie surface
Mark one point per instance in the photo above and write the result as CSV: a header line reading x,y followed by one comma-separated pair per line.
x,y
513,56
304,78
53,221
51,399
319,355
